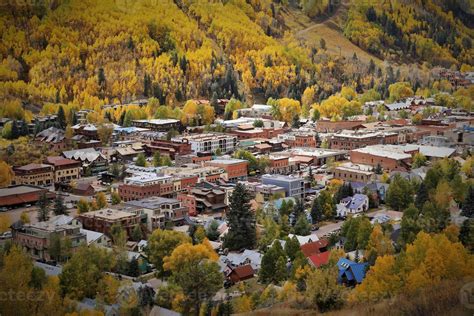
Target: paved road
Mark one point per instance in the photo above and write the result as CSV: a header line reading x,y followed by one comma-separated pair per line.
x,y
330,228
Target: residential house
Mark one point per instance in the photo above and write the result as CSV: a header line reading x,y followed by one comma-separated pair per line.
x,y
241,273
93,161
353,205
350,272
53,137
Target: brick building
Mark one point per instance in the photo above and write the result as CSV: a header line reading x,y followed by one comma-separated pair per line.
x,y
388,157
326,126
348,140
299,139
36,239
146,185
248,132
34,174
236,169
158,125
102,220
168,148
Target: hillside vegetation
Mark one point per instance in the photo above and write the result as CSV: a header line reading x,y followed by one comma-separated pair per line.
x,y
83,54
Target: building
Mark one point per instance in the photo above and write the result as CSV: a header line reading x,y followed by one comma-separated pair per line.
x,y
53,137
160,210
350,272
280,165
241,273
102,220
209,142
236,169
34,174
313,156
168,148
146,185
294,186
158,125
65,169
250,132
354,172
93,162
348,140
387,157
37,239
353,205
257,110
327,126
204,200
19,195
299,139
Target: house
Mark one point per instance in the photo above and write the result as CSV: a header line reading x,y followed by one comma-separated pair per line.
x,y
319,259
353,205
314,247
96,238
350,272
241,273
53,137
303,240
252,257
84,189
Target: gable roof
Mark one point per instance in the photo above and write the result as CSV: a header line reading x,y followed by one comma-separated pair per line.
x,y
244,271
319,259
314,247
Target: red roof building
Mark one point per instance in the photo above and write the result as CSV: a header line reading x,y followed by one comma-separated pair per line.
x,y
314,247
319,259
241,273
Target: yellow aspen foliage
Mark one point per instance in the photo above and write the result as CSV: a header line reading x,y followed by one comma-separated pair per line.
x,y
6,174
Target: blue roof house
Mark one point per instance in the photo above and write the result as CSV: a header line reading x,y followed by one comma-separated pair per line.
x,y
351,272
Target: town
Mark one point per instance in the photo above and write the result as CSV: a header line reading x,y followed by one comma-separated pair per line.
x,y
275,205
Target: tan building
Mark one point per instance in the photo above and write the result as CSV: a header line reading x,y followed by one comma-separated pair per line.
x,y
102,220
354,173
65,169
34,174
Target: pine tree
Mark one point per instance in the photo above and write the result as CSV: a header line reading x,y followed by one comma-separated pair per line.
x,y
267,266
73,118
466,234
241,221
137,233
59,207
302,227
61,116
299,208
280,270
15,132
292,246
421,196
43,207
316,211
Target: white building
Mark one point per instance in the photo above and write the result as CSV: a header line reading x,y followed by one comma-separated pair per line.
x,y
353,205
209,142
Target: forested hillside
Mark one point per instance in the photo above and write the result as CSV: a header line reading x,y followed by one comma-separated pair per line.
x,y
84,54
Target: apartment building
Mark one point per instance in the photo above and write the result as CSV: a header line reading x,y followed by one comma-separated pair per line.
x,y
34,174
36,239
65,169
209,142
348,140
160,210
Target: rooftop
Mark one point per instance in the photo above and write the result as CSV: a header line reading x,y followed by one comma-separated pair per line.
x,y
384,151
154,202
229,161
21,189
108,214
32,166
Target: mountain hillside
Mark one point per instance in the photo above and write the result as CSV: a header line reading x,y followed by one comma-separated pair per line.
x,y
85,53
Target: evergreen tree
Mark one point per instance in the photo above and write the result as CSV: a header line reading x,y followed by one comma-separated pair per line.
x,y
241,221
299,208
137,233
302,227
133,269
468,205
410,225
292,246
421,196
212,232
122,118
15,132
316,211
61,116
73,117
280,270
59,207
43,207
